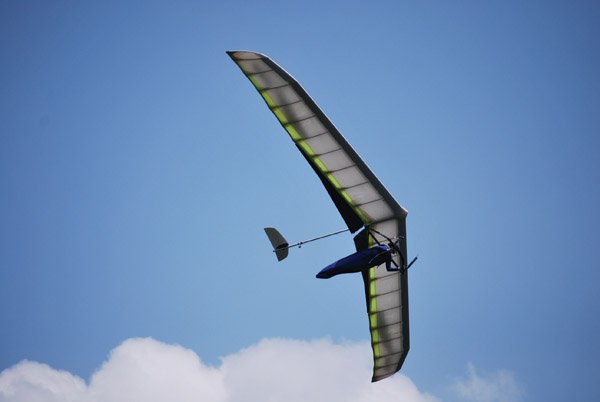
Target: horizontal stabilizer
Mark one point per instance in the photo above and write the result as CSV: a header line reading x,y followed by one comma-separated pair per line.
x,y
279,243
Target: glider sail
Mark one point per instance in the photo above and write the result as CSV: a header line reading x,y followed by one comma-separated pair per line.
x,y
358,195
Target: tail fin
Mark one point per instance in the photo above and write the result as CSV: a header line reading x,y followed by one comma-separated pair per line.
x,y
279,243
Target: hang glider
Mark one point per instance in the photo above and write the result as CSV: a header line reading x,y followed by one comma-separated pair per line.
x,y
363,202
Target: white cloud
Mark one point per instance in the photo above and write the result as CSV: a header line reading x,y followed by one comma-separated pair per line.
x,y
272,370
33,382
500,386
148,370
294,370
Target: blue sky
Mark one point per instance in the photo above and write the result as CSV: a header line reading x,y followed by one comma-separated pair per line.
x,y
138,168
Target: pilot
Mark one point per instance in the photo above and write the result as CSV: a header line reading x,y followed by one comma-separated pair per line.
x,y
360,261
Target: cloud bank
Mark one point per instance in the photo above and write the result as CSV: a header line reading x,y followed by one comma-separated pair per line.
x,y
143,369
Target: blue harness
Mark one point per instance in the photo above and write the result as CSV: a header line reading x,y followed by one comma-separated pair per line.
x,y
359,261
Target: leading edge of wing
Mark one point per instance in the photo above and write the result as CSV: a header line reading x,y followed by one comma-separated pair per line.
x,y
357,193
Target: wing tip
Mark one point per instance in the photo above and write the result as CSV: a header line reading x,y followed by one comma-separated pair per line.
x,y
244,54
381,377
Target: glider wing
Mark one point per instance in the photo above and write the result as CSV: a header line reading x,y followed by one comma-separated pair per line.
x,y
358,195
